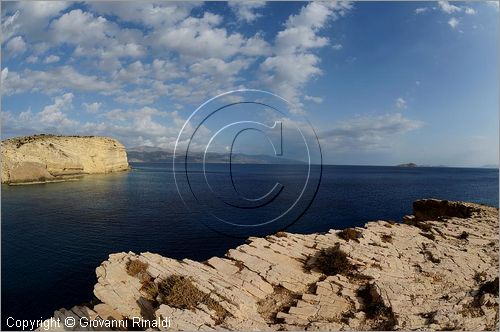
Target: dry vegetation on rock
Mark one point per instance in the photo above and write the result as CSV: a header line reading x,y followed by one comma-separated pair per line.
x,y
420,275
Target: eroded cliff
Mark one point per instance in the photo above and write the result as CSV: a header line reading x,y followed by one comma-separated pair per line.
x,y
45,158
436,271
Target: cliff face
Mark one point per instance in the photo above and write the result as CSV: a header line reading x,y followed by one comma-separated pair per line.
x,y
51,158
437,271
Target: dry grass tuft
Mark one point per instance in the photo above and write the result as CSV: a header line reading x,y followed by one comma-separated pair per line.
x,y
430,236
426,227
149,289
378,316
279,301
332,261
386,238
350,234
136,268
179,292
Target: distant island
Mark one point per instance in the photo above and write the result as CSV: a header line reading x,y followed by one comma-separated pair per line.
x,y
53,158
407,165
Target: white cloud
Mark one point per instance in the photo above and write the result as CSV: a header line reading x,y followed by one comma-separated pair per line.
x,y
470,11
29,18
51,59
149,14
368,132
16,46
92,107
293,63
32,59
53,81
54,114
194,34
337,47
421,10
245,10
453,22
190,57
446,7
317,100
102,38
401,103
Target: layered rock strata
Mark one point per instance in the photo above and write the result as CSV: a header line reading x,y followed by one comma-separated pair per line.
x,y
46,158
436,271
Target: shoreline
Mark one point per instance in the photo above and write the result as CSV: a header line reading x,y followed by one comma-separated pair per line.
x,y
436,271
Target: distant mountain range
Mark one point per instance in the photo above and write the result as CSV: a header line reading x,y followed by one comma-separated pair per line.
x,y
158,155
489,166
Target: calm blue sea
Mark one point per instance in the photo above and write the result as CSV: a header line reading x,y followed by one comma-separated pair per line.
x,y
55,235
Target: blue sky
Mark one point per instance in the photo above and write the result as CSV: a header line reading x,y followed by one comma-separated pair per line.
x,y
381,82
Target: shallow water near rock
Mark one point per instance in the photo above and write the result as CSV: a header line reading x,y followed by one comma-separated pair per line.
x,y
55,235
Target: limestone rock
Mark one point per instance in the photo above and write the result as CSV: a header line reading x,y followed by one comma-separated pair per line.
x,y
426,275
46,158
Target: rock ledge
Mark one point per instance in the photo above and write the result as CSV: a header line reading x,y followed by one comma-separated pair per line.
x,y
436,271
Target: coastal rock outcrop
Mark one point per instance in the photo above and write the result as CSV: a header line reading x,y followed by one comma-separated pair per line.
x,y
45,158
436,271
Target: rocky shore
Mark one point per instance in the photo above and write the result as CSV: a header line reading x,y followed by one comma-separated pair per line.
x,y
437,270
51,158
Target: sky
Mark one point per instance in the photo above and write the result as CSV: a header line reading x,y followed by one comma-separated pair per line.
x,y
382,83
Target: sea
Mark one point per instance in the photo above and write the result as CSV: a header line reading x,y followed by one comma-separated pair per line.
x,y
55,235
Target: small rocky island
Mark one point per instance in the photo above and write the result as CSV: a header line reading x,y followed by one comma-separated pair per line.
x,y
438,270
410,165
51,158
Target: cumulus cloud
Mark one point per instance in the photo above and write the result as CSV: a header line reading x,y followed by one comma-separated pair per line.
x,y
149,14
453,22
446,7
16,46
317,100
102,38
246,10
32,59
51,59
135,55
54,114
401,103
337,47
421,10
170,29
29,18
368,132
92,107
470,11
293,63
53,81
193,34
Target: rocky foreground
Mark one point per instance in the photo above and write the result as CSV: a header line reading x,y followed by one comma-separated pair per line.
x,y
436,271
50,158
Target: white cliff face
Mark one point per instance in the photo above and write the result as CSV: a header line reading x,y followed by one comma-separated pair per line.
x,y
439,271
51,158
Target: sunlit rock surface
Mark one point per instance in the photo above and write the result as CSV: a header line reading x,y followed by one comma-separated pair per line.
x,y
436,271
46,158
